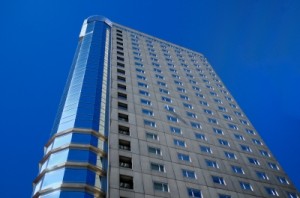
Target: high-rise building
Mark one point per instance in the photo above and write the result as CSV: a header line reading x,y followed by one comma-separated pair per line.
x,y
142,117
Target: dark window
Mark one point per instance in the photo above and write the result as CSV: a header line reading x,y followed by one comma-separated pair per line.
x,y
122,96
120,53
121,71
123,117
121,78
124,130
122,106
120,86
120,64
119,43
120,58
126,182
119,48
125,162
124,145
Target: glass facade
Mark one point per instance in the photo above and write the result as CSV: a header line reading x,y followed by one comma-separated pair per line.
x,y
76,155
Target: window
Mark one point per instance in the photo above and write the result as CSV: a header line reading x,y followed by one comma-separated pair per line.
x,y
196,125
149,123
124,145
262,175
161,83
183,157
122,106
189,174
139,64
125,162
232,126
159,76
121,71
120,86
141,77
145,93
292,195
244,122
194,193
239,137
124,130
184,97
187,105
237,169
224,142
197,89
121,78
157,70
139,70
218,180
233,106
175,130
151,136
161,186
246,186
212,120
253,161
211,163
264,153
120,65
227,117
282,180
190,114
126,182
154,150
205,149
203,103
145,102
181,89
169,108
172,118
179,143
144,85
200,136
246,148
230,155
218,101
157,167
122,96
164,91
273,166
238,113
147,112
258,142
208,111
250,131
271,191
166,99
218,131
222,108
123,117
178,83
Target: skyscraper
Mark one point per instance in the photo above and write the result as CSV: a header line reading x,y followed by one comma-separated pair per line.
x,y
142,117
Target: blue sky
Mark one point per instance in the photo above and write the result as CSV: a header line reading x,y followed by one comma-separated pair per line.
x,y
253,45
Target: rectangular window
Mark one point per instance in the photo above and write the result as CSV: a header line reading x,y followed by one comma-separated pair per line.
x,y
239,137
282,180
145,93
273,166
189,174
237,169
232,126
151,136
146,102
203,103
190,114
149,123
264,153
125,162
208,111
200,136
121,78
179,143
175,130
271,191
258,142
161,83
230,155
262,175
184,97
205,149
212,120
218,131
172,118
194,193
161,186
122,106
164,91
246,186
122,96
144,85
249,131
147,112
126,182
224,142
211,163
169,108
196,125
218,180
183,157
166,99
154,150
124,145
157,167
253,161
246,148
124,130
123,117
224,196
189,106
120,86
141,77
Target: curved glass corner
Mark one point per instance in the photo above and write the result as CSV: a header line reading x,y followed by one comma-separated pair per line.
x,y
76,155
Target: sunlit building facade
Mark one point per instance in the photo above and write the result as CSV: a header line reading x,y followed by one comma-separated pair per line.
x,y
142,117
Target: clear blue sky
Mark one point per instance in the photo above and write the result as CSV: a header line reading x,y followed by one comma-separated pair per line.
x,y
254,45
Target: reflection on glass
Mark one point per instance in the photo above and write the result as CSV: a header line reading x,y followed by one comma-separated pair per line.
x,y
51,179
61,140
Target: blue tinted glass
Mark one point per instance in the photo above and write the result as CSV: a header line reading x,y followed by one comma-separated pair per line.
x,y
52,178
